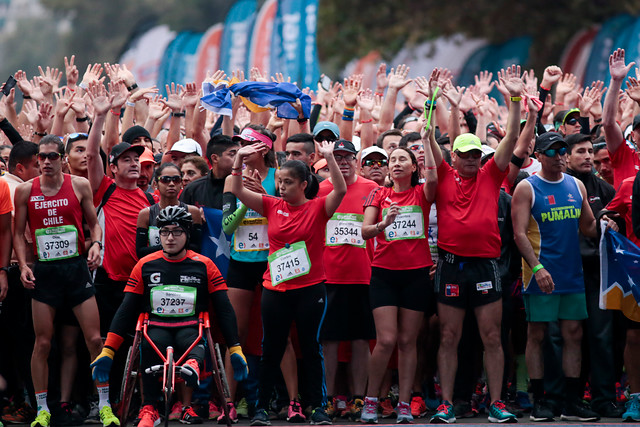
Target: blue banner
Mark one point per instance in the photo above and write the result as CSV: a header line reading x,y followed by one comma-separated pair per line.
x,y
236,35
619,268
603,46
288,47
215,243
311,72
178,62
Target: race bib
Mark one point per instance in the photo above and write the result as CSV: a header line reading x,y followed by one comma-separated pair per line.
x,y
345,229
154,236
251,235
173,300
409,224
289,263
56,243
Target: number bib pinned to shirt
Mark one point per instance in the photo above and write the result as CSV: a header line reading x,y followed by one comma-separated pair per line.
x,y
54,243
409,224
289,263
345,229
251,235
154,236
173,300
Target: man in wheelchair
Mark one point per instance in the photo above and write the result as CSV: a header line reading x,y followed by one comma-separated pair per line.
x,y
173,286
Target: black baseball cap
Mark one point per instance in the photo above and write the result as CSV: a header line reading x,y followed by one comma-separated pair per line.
x,y
344,145
636,122
547,139
119,149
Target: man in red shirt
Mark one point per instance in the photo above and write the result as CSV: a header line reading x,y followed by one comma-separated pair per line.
x,y
348,316
467,276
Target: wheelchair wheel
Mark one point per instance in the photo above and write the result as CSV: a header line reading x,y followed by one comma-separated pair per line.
x,y
222,395
168,386
130,378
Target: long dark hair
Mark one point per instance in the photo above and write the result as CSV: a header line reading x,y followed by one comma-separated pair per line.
x,y
270,157
415,175
301,171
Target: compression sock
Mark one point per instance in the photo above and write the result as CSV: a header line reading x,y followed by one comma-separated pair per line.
x,y
41,398
103,394
521,373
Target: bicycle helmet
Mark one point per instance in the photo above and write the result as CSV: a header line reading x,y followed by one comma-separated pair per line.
x,y
175,215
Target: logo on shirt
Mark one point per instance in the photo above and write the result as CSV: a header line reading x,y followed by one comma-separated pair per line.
x,y
189,279
281,212
37,199
451,290
155,277
570,197
593,199
550,200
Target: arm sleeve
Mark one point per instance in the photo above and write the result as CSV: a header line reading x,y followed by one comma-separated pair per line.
x,y
585,129
543,97
635,206
315,113
142,243
231,215
226,317
471,120
195,242
10,132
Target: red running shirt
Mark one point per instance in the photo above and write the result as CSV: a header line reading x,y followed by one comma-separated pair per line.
x,y
348,263
625,163
55,222
468,211
291,224
118,220
621,203
403,245
5,198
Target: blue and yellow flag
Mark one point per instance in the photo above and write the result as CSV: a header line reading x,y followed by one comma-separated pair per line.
x,y
619,274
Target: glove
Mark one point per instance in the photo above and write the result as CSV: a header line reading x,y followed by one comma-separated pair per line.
x,y
102,365
239,363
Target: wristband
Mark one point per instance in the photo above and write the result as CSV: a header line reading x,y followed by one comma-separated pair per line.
x,y
26,97
537,268
131,104
40,133
544,88
516,98
347,118
132,87
559,103
302,121
83,85
366,121
431,167
517,161
236,174
5,269
379,93
378,228
98,242
347,108
597,120
181,114
115,113
83,119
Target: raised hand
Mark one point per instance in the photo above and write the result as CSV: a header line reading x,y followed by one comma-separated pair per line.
x,y
350,89
142,93
49,80
119,94
484,82
99,97
325,148
377,106
633,89
567,84
275,122
217,75
92,74
63,105
591,96
173,101
551,76
44,117
366,100
71,71
26,87
398,77
617,68
238,74
279,78
512,80
191,95
256,75
30,109
453,94
157,108
531,82
382,81
126,75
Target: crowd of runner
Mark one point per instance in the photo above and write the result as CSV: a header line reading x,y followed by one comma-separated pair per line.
x,y
413,249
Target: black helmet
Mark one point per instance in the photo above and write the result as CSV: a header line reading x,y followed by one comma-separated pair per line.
x,y
175,215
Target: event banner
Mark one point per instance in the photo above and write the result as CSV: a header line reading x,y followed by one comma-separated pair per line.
x,y
235,36
260,46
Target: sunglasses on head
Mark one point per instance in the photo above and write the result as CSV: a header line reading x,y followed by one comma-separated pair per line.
x,y
51,156
167,179
551,152
599,145
77,136
371,162
571,121
476,154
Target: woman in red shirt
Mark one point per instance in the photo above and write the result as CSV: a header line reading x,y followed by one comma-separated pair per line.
x,y
397,216
294,281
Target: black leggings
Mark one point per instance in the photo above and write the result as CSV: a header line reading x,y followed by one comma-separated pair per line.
x,y
307,307
180,339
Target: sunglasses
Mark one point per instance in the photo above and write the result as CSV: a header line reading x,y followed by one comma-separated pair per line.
x,y
51,156
371,162
331,138
175,232
599,145
476,154
167,179
551,152
416,147
348,157
77,136
571,121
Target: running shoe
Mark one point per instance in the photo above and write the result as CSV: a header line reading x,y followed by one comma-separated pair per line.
x,y
107,417
319,417
418,406
587,392
18,414
632,406
355,409
370,411
621,393
261,418
233,414
43,419
189,416
190,373
242,409
498,413
214,411
444,414
575,410
386,408
404,413
341,406
148,416
522,401
176,411
93,417
465,408
541,412
330,409
294,414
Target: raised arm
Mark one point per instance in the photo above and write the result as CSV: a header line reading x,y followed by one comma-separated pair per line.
x,y
397,80
325,149
101,104
513,82
252,199
618,70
